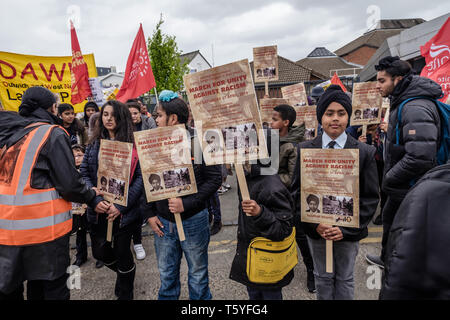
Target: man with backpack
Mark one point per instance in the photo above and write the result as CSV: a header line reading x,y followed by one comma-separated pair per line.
x,y
413,136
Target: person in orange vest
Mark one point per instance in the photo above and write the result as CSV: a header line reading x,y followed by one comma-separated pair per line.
x,y
38,182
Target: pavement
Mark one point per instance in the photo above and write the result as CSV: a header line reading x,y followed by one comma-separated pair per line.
x,y
98,284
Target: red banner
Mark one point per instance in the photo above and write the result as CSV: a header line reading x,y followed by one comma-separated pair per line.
x,y
437,57
335,80
79,73
138,75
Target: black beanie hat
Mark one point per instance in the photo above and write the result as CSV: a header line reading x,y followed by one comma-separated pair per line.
x,y
334,93
34,98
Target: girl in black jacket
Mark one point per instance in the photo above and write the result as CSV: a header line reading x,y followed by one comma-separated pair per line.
x,y
115,124
268,214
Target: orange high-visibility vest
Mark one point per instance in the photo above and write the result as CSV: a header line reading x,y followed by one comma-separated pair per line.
x,y
27,215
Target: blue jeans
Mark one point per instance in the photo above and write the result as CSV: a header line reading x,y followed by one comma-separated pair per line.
x,y
339,285
169,250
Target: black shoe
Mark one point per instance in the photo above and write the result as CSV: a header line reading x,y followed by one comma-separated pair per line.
x,y
79,262
378,220
216,228
310,283
99,264
375,260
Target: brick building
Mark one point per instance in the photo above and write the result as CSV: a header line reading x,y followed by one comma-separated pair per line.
x,y
360,50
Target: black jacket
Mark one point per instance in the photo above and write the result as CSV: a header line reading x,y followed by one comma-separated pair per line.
x,y
368,188
418,249
420,127
275,222
89,168
208,180
55,167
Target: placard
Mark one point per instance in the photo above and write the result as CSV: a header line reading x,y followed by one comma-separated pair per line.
x,y
165,158
330,186
266,108
226,114
114,165
78,208
308,116
265,63
295,94
366,104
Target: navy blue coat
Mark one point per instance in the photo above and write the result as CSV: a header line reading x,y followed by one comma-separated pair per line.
x,y
88,170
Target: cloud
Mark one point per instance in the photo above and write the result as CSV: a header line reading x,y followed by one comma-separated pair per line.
x,y
108,27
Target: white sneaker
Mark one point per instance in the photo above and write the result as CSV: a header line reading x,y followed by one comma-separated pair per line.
x,y
140,252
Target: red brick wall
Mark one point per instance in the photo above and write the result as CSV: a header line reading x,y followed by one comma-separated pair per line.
x,y
360,56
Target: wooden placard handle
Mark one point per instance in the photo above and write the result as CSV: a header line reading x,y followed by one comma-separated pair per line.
x,y
179,226
364,130
242,182
109,231
266,87
329,256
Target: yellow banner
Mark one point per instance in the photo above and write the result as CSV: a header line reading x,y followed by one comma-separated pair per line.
x,y
19,72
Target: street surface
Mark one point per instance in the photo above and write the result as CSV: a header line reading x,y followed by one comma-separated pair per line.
x,y
98,284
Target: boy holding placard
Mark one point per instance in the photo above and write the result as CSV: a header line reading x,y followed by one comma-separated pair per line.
x,y
333,111
194,214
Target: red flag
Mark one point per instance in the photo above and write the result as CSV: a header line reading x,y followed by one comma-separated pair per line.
x,y
79,73
437,57
138,77
335,80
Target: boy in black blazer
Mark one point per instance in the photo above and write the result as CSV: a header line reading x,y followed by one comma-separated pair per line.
x,y
333,112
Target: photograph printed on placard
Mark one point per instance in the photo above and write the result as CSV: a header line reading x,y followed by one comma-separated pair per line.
x,y
310,133
242,136
117,188
370,113
339,205
313,202
213,143
176,177
155,182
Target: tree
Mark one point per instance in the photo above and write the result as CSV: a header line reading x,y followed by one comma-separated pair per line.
x,y
165,59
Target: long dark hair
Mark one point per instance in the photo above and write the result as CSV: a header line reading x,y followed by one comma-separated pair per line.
x,y
124,124
76,126
89,104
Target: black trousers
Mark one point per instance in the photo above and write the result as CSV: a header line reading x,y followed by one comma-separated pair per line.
x,y
116,255
41,290
388,215
81,226
255,294
137,236
302,243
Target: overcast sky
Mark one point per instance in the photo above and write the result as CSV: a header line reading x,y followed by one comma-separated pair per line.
x,y
107,28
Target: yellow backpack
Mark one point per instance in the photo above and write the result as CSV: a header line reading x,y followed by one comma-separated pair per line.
x,y
269,261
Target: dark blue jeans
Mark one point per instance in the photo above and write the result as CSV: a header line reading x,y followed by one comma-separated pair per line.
x,y
169,250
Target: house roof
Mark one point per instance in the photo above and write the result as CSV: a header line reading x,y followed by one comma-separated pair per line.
x,y
398,23
288,72
120,75
190,56
321,61
406,44
321,52
374,38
